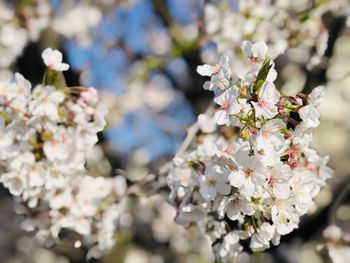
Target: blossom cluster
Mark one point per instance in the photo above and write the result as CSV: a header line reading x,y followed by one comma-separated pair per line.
x,y
19,24
22,22
250,173
285,25
337,244
77,21
46,134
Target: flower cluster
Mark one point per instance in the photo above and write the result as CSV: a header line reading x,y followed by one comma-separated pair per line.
x,y
77,21
283,24
46,134
19,24
338,244
255,176
23,21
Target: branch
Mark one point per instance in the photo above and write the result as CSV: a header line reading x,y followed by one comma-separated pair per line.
x,y
191,134
340,198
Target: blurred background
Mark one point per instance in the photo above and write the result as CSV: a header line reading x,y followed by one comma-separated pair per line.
x,y
142,56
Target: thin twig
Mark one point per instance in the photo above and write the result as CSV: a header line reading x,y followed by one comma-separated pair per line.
x,y
340,198
191,134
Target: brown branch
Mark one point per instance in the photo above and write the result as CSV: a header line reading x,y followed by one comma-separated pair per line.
x,y
339,199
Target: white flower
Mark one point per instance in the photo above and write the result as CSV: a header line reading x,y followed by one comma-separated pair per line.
x,y
46,102
267,100
190,213
212,18
211,146
206,123
23,85
261,240
60,146
13,40
214,181
250,176
37,175
303,134
22,159
235,206
181,177
15,181
228,106
316,95
77,21
61,200
302,184
265,151
119,185
230,247
53,60
333,233
255,52
338,250
54,179
279,177
318,165
207,70
339,254
269,143
271,133
310,116
284,216
220,75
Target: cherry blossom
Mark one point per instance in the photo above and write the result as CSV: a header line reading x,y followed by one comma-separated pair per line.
x,y
337,243
257,176
220,74
250,175
235,206
261,240
46,134
214,181
53,60
255,52
228,106
267,100
206,124
261,21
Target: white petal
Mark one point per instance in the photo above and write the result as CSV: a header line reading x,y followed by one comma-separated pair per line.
x,y
232,212
247,48
61,67
281,191
310,115
237,179
316,95
259,49
205,70
222,117
339,254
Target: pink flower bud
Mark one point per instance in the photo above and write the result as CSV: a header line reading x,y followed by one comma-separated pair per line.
x,y
282,111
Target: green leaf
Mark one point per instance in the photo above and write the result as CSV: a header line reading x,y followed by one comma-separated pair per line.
x,y
262,75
